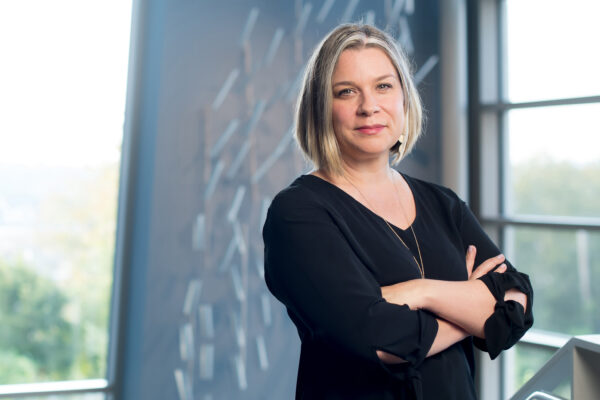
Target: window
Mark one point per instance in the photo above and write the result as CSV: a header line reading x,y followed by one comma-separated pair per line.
x,y
63,79
536,138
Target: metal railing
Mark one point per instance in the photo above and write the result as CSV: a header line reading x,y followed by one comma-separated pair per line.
x,y
54,388
543,396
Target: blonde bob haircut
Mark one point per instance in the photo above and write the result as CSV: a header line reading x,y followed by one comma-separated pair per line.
x,y
314,126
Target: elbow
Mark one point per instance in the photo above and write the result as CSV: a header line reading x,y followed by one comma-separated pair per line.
x,y
388,358
517,296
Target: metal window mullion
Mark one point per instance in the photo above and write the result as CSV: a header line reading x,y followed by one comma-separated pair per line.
x,y
128,175
565,223
483,134
502,76
501,117
544,339
474,105
501,154
501,175
505,106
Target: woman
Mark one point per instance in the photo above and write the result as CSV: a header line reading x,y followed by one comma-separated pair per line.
x,y
371,263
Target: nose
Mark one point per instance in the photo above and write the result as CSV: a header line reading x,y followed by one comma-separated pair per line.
x,y
368,104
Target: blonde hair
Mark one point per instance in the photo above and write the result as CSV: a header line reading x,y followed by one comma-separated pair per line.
x,y
314,126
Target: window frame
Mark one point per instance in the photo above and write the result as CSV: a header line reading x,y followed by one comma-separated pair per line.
x,y
110,385
487,129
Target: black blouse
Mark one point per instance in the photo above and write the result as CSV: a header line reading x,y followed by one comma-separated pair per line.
x,y
326,258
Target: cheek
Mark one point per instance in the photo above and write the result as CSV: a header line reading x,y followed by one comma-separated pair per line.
x,y
398,110
398,104
341,117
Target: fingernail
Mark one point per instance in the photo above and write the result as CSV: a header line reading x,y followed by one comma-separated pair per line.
x,y
500,256
471,248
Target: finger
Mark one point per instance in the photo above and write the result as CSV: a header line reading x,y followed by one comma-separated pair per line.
x,y
491,263
470,259
487,266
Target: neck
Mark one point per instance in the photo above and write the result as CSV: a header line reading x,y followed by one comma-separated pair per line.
x,y
372,173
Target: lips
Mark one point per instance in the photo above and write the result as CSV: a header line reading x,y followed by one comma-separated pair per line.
x,y
370,129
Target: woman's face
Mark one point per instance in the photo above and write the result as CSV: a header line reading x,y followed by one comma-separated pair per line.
x,y
368,104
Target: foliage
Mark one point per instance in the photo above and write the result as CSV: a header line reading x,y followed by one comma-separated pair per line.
x,y
565,298
57,306
15,367
36,336
86,253
542,187
529,359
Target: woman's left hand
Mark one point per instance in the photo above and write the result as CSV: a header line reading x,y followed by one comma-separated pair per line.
x,y
413,294
489,265
408,293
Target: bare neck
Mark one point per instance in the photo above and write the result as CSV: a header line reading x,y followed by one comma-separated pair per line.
x,y
372,174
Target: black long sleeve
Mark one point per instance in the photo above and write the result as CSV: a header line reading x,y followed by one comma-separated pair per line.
x,y
326,258
509,322
311,267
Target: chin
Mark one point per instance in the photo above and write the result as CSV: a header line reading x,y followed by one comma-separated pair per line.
x,y
370,153
377,148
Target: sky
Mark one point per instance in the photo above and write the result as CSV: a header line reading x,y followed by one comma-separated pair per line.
x,y
62,81
553,52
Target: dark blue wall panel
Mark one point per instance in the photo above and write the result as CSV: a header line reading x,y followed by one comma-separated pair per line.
x,y
213,136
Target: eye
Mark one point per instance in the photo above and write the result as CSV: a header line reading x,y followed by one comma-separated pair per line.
x,y
384,86
344,92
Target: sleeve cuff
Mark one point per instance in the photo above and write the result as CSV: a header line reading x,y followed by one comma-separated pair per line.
x,y
509,322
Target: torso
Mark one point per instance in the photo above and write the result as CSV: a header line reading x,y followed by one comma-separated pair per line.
x,y
394,202
389,262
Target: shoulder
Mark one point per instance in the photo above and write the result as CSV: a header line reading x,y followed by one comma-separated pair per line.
x,y
304,198
298,210
299,194
438,199
433,190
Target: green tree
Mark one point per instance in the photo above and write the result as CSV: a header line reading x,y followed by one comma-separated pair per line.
x,y
35,339
87,208
15,367
550,256
543,187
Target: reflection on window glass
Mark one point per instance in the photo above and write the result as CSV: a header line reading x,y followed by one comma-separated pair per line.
x,y
563,266
63,80
552,49
554,161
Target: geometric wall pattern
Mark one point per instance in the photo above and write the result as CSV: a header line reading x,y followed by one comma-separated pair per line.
x,y
230,77
230,331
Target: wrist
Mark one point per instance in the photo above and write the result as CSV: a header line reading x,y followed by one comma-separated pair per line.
x,y
427,294
434,294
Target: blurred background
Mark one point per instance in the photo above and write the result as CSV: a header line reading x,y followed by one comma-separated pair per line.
x,y
142,142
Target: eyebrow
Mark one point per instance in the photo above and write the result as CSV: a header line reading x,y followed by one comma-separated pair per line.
x,y
350,83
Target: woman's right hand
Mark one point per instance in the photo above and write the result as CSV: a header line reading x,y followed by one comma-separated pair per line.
x,y
491,264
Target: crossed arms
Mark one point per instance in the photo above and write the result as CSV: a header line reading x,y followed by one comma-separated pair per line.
x,y
461,307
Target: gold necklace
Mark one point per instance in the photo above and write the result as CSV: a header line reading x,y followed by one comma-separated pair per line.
x,y
420,265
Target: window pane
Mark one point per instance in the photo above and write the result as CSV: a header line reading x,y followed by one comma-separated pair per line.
x,y
552,49
553,163
527,362
563,266
63,80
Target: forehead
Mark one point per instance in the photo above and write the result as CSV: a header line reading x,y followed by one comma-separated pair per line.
x,y
363,63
